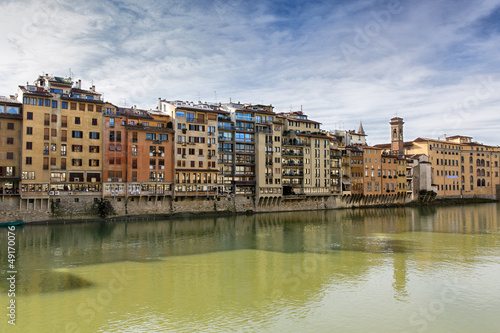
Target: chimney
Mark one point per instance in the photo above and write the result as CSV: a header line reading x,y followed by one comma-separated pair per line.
x,y
79,84
92,88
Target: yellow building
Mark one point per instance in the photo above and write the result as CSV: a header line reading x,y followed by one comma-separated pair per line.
x,y
64,148
306,155
460,166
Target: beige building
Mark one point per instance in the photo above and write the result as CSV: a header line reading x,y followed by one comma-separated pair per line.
x,y
63,151
306,155
460,167
196,154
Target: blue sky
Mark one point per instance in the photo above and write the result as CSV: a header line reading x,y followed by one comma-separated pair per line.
x,y
433,63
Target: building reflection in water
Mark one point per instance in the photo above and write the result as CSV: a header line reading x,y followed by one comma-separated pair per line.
x,y
260,259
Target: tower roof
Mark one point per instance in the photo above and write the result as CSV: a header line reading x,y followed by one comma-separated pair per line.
x,y
361,130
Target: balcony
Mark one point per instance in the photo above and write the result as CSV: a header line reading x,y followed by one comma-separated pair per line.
x,y
293,174
245,151
264,130
248,118
291,153
196,121
293,143
245,129
292,164
244,161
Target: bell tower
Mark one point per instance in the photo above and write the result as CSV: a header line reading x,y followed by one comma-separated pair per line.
x,y
397,144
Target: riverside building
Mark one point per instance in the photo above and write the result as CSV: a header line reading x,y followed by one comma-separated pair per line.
x,y
63,150
10,145
196,166
460,167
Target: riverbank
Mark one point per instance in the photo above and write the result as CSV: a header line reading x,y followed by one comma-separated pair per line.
x,y
214,214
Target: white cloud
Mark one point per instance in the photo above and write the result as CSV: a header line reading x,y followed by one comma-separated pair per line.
x,y
422,62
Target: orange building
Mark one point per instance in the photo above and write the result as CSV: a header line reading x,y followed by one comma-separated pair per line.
x,y
138,152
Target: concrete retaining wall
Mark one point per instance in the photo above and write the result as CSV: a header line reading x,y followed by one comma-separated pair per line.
x,y
79,207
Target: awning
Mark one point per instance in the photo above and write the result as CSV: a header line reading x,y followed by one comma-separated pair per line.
x,y
346,183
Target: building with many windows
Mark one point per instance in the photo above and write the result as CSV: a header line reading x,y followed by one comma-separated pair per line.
x,y
63,151
10,145
196,167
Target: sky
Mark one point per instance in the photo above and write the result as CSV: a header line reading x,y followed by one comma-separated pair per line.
x,y
435,64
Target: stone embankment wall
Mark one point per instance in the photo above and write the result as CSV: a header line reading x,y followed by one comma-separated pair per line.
x,y
79,207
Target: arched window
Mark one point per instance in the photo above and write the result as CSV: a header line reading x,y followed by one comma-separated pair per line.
x,y
470,160
479,182
462,159
482,173
478,173
463,179
482,162
478,162
483,183
463,169
471,169
471,180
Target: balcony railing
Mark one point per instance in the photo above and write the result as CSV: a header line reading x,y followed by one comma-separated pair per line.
x,y
196,121
249,118
293,143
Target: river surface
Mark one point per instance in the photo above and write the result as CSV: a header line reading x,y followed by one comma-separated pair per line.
x,y
431,269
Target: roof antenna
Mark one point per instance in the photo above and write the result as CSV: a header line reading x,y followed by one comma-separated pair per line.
x,y
215,93
70,73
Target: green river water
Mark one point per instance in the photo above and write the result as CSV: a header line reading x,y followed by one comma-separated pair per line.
x,y
431,269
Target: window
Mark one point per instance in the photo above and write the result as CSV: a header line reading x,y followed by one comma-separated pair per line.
x,y
72,106
94,121
64,105
77,134
76,162
10,126
77,120
111,122
93,149
77,148
29,160
29,115
29,130
10,156
10,141
53,132
94,135
90,106
29,145
63,150
54,104
93,163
